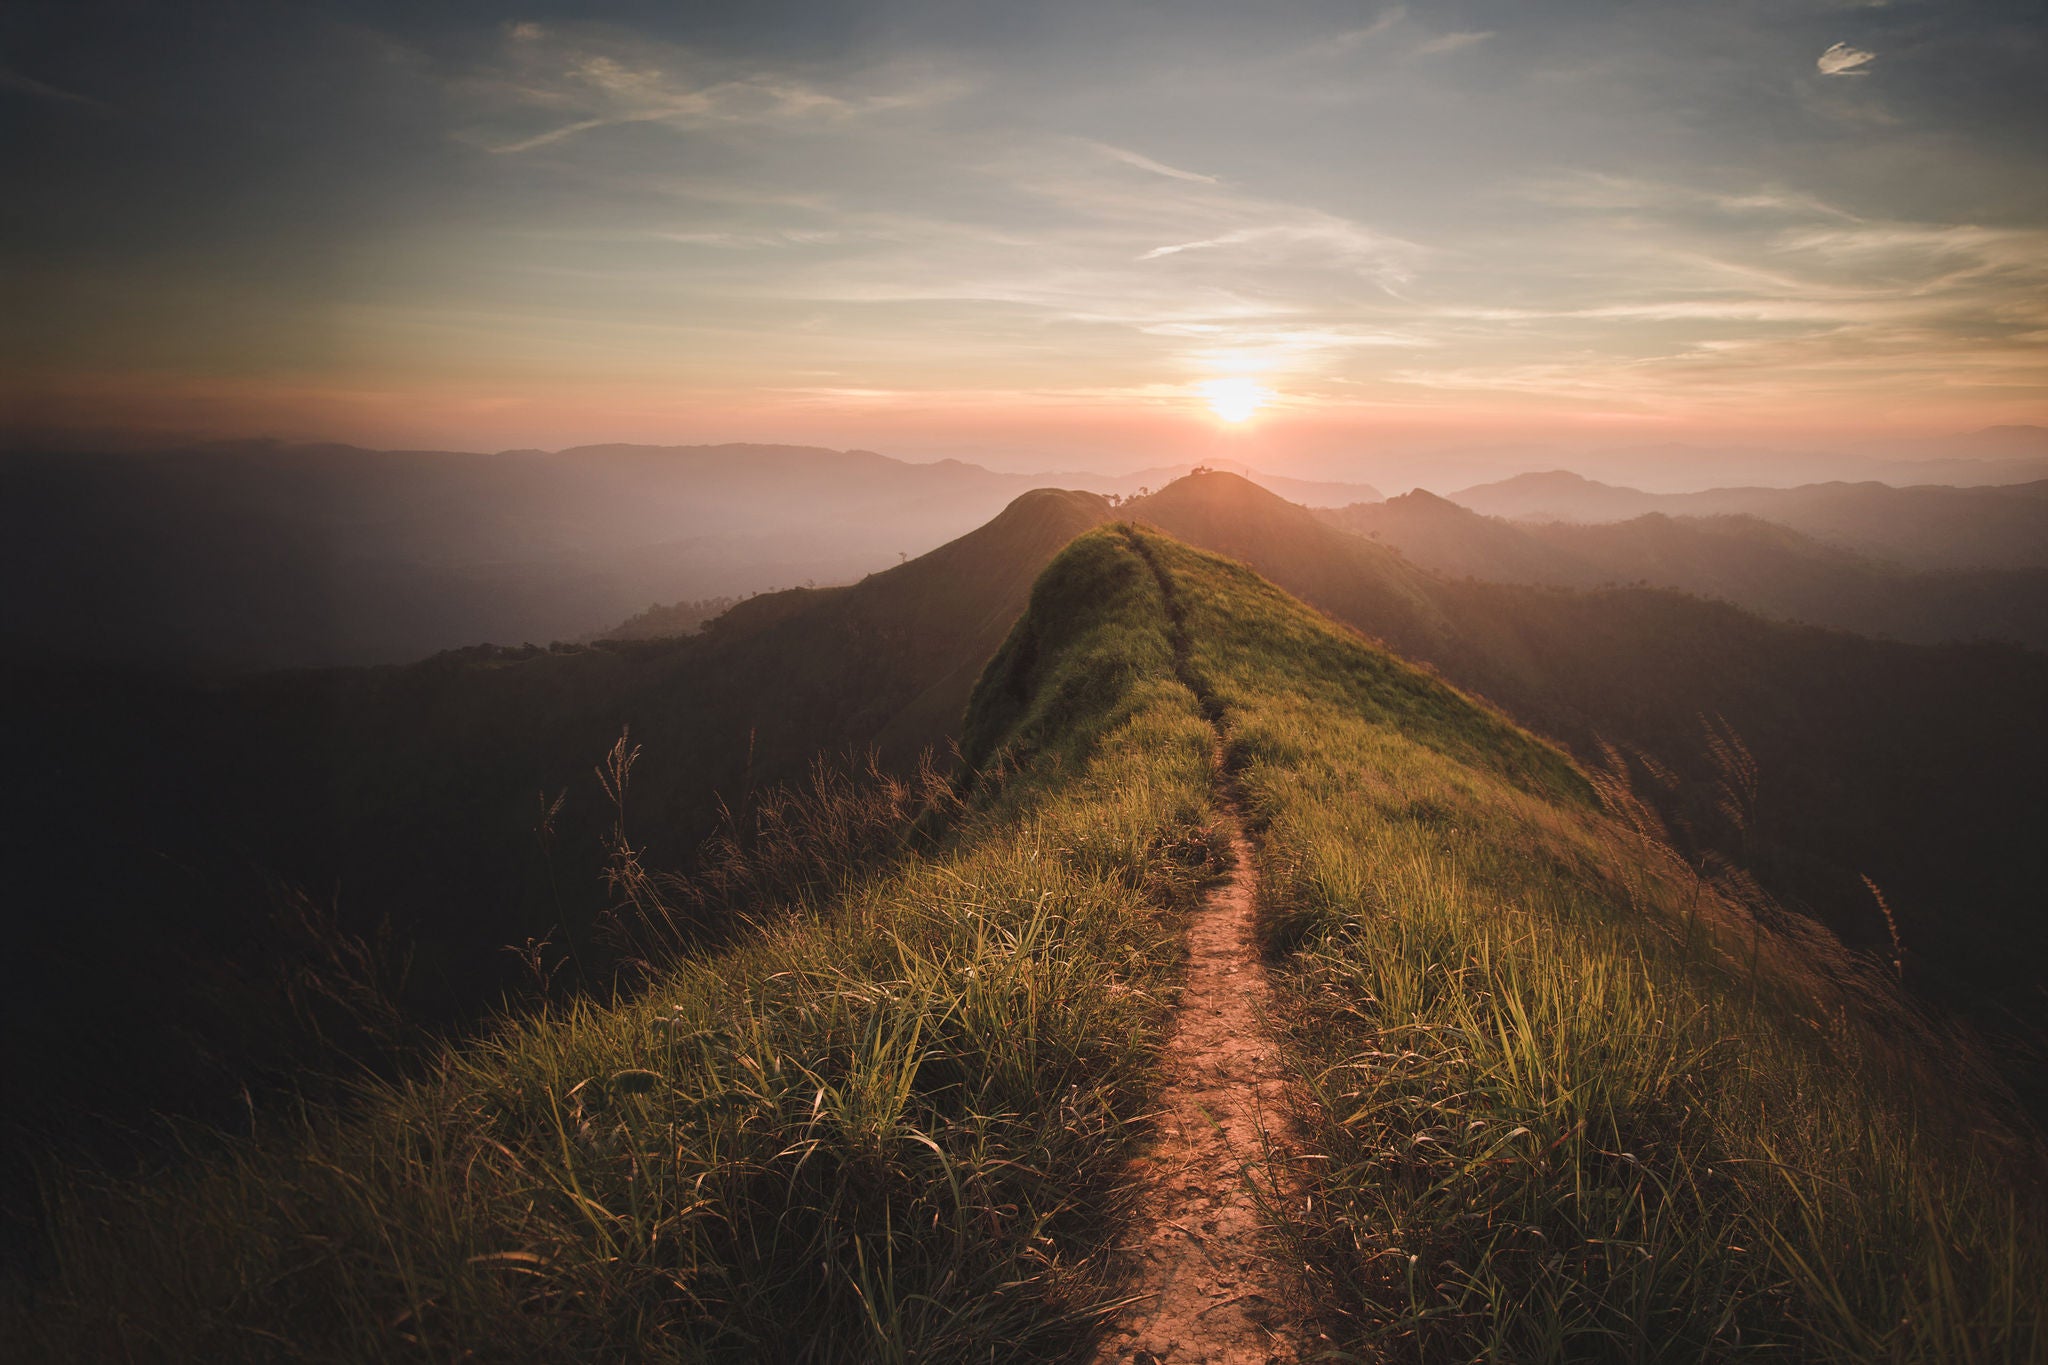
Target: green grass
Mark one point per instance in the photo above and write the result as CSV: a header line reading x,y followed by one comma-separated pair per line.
x,y
1561,1100
1557,1111
884,1127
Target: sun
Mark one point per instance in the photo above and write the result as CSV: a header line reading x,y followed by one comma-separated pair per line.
x,y
1235,399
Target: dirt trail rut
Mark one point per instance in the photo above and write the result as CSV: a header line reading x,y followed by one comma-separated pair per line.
x,y
1206,1289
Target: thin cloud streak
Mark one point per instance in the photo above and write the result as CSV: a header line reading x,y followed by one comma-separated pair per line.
x,y
1451,42
617,84
1385,23
28,85
1146,163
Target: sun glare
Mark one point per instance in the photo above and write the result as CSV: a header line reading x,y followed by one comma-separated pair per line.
x,y
1235,399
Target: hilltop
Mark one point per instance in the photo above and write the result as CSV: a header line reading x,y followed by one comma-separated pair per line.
x,y
1548,1092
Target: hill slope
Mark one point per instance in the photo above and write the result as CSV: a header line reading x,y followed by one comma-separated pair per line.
x,y
1552,1092
1919,767
167,818
1560,1100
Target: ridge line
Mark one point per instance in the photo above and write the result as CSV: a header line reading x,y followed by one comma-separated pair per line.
x,y
1205,1287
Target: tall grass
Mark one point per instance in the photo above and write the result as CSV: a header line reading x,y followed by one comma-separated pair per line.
x,y
884,1123
1556,1110
793,847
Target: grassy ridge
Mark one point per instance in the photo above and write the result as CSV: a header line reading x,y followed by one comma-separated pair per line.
x,y
880,1128
1564,1103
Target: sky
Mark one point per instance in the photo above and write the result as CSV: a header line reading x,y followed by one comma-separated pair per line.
x,y
1032,233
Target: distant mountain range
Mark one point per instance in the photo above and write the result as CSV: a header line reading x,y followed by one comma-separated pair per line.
x,y
2012,444
1994,455
258,554
1760,565
1922,527
264,555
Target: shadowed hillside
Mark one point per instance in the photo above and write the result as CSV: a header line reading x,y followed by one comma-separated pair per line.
x,y
1756,564
163,824
1921,768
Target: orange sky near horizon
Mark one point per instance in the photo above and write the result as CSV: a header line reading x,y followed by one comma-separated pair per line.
x,y
1046,431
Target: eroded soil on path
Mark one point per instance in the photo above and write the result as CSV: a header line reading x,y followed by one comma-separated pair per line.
x,y
1206,1288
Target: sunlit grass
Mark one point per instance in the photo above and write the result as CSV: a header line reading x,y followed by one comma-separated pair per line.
x,y
1556,1112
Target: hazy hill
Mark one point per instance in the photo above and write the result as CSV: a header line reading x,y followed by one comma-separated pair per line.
x,y
2008,454
1922,527
1554,1099
1993,455
259,554
1924,768
265,555
1760,565
666,619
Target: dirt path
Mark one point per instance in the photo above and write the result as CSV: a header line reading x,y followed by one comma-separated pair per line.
x,y
1207,1290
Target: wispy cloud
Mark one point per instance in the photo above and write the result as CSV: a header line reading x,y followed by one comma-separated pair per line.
x,y
1387,259
1662,296
1146,163
1387,20
1844,60
606,84
1039,268
1452,42
1597,190
28,85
